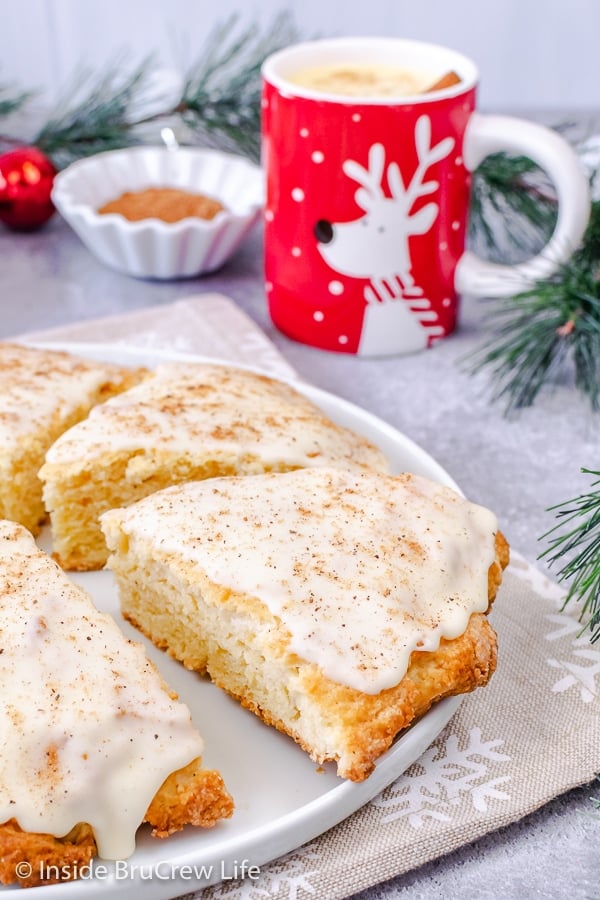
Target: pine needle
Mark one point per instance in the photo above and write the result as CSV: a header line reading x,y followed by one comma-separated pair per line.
x,y
537,334
94,114
219,104
575,545
11,101
513,206
221,96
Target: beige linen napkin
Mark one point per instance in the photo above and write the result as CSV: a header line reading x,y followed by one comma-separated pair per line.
x,y
531,735
205,324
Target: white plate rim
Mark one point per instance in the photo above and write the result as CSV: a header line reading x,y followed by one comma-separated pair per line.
x,y
274,839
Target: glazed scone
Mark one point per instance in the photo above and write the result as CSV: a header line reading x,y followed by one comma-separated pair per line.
x,y
93,743
338,606
42,393
186,422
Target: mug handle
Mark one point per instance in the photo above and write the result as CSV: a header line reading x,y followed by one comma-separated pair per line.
x,y
487,134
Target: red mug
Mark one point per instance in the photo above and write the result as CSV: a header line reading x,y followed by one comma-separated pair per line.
x,y
367,198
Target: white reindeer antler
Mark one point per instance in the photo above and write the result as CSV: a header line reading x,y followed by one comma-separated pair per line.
x,y
427,156
369,179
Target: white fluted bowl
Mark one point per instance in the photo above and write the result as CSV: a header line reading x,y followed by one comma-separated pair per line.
x,y
151,248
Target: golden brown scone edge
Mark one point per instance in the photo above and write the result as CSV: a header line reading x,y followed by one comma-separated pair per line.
x,y
190,796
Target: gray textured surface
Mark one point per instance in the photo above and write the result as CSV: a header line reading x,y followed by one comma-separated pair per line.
x,y
518,468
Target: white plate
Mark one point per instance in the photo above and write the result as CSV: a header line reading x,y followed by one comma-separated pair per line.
x,y
282,798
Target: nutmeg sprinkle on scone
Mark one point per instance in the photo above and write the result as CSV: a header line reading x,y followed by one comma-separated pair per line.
x,y
188,421
91,737
315,596
42,394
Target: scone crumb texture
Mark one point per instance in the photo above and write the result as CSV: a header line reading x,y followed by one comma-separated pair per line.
x,y
361,569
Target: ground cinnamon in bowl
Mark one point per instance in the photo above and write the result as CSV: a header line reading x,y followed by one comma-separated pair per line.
x,y
168,204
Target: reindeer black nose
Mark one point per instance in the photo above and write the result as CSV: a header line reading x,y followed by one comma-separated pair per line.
x,y
323,231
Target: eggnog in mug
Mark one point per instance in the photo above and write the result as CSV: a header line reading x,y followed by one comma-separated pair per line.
x,y
363,80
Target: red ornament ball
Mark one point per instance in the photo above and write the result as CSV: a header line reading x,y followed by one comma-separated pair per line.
x,y
26,178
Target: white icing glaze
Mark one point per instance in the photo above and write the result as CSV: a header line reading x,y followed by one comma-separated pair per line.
x,y
37,385
214,412
361,568
88,732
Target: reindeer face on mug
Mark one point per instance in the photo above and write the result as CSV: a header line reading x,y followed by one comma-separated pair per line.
x,y
376,245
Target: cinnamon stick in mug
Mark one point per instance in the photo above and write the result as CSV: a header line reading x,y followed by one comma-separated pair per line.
x,y
445,81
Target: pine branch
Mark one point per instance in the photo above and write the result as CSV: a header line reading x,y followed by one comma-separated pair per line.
x,y
10,101
221,96
512,205
94,115
579,545
219,104
537,334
